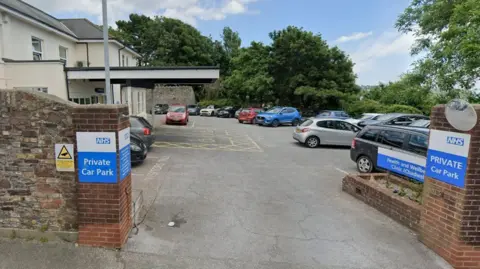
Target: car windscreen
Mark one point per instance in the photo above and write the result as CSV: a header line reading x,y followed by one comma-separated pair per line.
x,y
387,117
419,123
178,109
275,110
307,123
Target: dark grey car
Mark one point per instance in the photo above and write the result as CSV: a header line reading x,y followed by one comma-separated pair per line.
x,y
402,119
143,129
193,110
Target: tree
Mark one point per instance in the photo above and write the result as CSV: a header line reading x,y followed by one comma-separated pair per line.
x,y
165,42
302,62
448,31
250,80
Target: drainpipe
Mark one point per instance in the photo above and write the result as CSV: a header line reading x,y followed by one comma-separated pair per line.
x,y
119,58
66,80
88,56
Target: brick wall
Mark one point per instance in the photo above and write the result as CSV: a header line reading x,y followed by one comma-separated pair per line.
x,y
398,208
103,209
33,195
450,220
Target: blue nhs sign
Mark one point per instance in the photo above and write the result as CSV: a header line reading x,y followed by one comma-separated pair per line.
x,y
447,157
103,140
458,141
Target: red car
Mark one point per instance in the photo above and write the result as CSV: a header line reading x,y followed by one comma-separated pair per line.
x,y
177,114
249,115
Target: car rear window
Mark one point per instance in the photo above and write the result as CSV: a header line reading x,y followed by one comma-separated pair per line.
x,y
307,123
136,123
369,134
418,143
392,138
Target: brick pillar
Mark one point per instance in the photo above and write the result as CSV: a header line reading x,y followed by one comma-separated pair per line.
x,y
103,208
450,219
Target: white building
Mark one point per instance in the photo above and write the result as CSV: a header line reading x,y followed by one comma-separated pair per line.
x,y
65,57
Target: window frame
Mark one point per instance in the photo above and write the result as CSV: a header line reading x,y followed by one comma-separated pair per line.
x,y
36,52
60,54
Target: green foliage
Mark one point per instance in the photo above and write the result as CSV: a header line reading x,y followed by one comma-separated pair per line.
x,y
356,108
217,102
401,109
448,32
43,240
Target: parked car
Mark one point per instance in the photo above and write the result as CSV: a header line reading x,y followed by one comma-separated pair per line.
x,y
161,109
365,145
339,114
238,112
138,149
226,112
193,110
402,119
420,124
363,117
249,115
177,114
143,129
279,116
210,110
325,131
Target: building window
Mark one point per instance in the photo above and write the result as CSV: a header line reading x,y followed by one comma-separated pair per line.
x,y
63,53
123,60
37,49
127,60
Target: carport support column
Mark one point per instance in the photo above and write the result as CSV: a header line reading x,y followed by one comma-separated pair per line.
x,y
129,97
450,220
105,198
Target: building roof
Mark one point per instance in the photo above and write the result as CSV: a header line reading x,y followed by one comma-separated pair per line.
x,y
36,14
83,28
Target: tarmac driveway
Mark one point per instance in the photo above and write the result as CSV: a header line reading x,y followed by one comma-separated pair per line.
x,y
241,196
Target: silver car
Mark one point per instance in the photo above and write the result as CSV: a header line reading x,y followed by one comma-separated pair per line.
x,y
325,131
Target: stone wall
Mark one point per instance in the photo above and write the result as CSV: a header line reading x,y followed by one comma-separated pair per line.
x,y
33,195
171,95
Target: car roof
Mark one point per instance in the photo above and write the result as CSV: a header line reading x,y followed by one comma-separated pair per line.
x,y
330,118
404,128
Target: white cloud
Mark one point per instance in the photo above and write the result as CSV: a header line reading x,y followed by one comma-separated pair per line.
x,y
189,11
381,58
353,37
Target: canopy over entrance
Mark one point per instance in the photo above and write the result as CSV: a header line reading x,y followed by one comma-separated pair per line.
x,y
147,77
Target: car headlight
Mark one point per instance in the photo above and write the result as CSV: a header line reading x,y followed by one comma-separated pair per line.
x,y
135,147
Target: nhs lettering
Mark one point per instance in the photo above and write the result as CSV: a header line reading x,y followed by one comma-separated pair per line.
x,y
455,141
447,157
103,140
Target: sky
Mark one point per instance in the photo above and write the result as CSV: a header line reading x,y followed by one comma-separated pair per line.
x,y
363,29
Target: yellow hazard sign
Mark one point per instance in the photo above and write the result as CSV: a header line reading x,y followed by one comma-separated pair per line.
x,y
64,154
64,157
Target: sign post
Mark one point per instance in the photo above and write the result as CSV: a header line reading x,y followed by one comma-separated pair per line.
x,y
447,157
97,157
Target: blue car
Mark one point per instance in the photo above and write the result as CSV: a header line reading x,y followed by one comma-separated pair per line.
x,y
279,116
338,114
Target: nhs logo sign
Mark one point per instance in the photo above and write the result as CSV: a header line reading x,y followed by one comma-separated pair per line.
x,y
457,141
103,140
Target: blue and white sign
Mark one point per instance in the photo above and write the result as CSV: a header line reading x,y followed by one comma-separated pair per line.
x,y
125,159
447,157
412,166
97,157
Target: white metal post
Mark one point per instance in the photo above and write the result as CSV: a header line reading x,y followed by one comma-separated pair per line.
x,y
108,89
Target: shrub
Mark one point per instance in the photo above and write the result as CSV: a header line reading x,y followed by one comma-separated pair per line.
x,y
401,109
363,106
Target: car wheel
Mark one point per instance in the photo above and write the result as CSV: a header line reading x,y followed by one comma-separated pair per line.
x,y
254,121
312,142
239,121
295,122
275,123
211,113
364,164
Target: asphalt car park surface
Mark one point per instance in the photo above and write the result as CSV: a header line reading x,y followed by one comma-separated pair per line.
x,y
246,196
